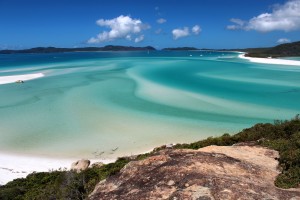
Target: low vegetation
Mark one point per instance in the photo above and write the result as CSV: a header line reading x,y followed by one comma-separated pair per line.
x,y
283,136
59,184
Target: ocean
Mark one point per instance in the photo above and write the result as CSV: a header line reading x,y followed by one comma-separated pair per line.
x,y
110,104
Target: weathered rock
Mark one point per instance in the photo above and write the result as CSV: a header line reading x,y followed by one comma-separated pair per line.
x,y
171,182
80,165
19,81
236,172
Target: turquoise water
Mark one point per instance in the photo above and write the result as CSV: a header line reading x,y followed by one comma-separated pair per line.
x,y
108,104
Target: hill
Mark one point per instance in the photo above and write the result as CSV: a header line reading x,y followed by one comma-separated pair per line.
x,y
283,50
180,49
61,50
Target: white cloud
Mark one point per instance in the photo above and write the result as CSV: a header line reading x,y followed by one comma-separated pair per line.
x,y
139,39
120,27
283,40
158,31
238,24
233,27
196,29
178,33
237,21
156,8
128,37
161,21
284,17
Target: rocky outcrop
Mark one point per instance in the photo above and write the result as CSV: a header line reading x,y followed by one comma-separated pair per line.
x,y
235,172
80,165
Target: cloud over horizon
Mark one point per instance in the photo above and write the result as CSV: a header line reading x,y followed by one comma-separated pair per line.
x,y
238,24
139,39
283,40
196,29
178,33
122,27
284,17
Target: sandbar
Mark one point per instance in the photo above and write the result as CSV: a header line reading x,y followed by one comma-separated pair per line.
x,y
23,77
274,61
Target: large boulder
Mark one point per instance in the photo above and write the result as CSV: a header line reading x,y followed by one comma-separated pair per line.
x,y
214,172
80,165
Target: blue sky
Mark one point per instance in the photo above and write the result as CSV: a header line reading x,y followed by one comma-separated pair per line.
x,y
159,23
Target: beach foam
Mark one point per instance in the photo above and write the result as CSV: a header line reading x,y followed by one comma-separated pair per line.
x,y
24,77
271,60
16,166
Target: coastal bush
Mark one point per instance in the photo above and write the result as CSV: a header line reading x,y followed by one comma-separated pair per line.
x,y
224,140
59,184
283,136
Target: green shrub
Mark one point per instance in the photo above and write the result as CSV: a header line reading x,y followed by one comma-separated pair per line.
x,y
289,178
59,184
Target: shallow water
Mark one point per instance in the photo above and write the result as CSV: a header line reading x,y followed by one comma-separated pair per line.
x,y
108,104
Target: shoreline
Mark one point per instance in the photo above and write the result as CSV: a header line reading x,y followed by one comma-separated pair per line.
x,y
13,166
274,61
16,78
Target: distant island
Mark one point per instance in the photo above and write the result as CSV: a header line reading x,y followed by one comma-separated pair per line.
x,y
282,50
180,49
62,50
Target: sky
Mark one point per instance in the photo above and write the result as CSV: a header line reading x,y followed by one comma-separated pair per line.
x,y
159,23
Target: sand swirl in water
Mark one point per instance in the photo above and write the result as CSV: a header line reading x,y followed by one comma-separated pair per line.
x,y
106,107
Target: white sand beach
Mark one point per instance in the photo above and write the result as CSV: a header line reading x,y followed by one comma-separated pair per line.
x,y
23,77
271,60
17,166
